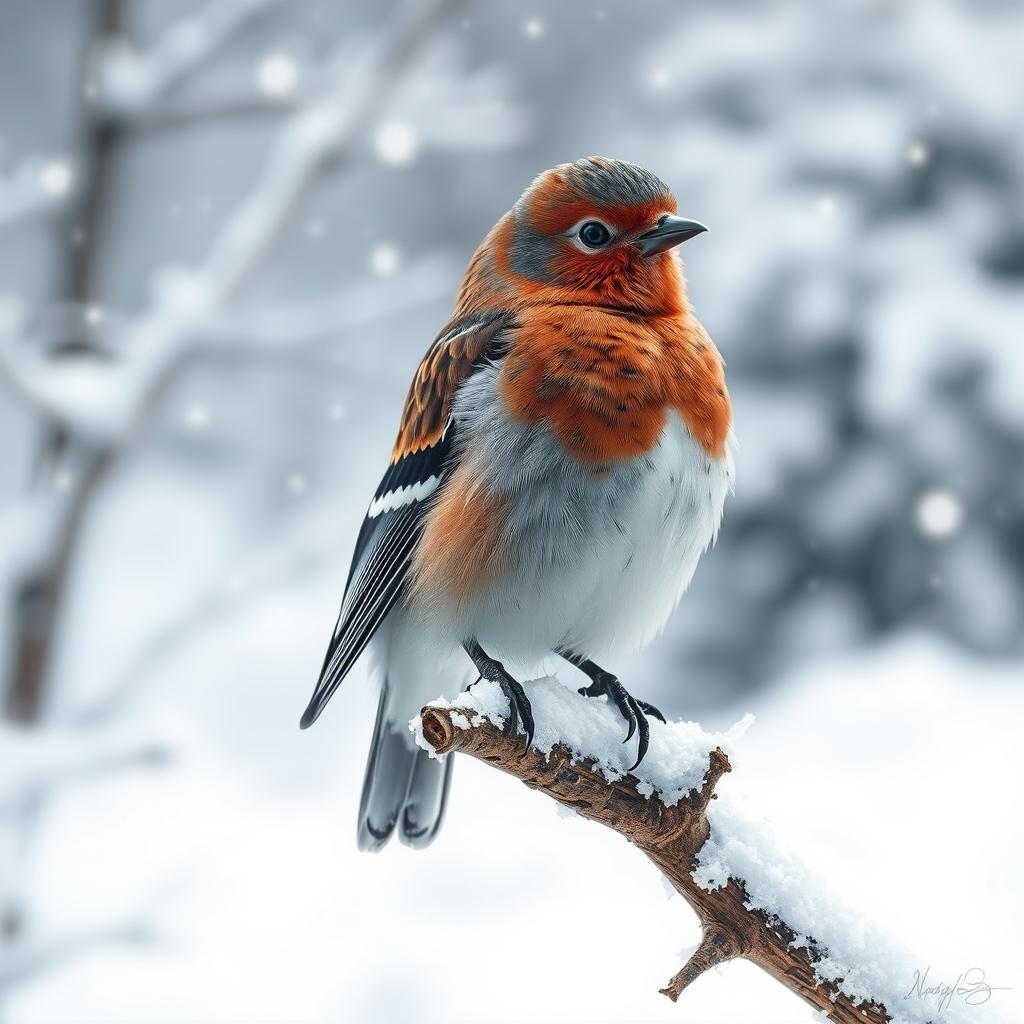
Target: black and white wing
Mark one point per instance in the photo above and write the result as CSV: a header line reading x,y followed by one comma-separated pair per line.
x,y
423,458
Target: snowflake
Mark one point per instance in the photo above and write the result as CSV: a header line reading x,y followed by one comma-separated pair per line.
x,y
938,514
396,142
56,177
384,259
828,206
918,154
277,74
197,417
660,78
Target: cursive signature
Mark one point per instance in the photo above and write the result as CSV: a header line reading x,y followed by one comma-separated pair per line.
x,y
971,986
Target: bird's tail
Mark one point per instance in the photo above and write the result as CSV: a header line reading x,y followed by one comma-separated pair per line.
x,y
403,785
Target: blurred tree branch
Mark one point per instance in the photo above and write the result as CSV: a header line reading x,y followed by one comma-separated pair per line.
x,y
671,837
95,409
93,390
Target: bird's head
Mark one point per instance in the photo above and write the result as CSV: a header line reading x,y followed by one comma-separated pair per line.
x,y
594,232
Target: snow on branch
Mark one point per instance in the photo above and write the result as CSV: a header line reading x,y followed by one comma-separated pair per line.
x,y
102,402
754,901
131,80
36,186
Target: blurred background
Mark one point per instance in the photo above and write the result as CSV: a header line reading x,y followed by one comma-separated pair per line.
x,y
228,231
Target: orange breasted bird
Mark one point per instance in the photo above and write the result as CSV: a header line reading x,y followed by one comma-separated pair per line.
x,y
562,462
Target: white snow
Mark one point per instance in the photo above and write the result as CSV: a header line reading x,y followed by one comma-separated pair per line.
x,y
533,28
847,948
861,957
676,761
56,177
938,514
396,142
277,75
384,259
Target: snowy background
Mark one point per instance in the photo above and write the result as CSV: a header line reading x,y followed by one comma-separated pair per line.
x,y
228,230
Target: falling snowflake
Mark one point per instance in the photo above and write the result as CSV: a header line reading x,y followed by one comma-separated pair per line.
x,y
197,417
384,259
660,78
56,177
93,314
336,411
938,514
396,142
828,206
533,28
277,75
917,154
296,483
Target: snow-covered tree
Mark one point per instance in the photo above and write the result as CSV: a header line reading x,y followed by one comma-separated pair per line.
x,y
99,360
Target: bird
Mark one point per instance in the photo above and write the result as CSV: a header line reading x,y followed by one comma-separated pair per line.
x,y
563,459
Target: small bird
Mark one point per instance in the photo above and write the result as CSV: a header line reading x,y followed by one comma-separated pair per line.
x,y
562,462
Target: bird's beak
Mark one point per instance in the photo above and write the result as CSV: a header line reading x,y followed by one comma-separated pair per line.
x,y
669,232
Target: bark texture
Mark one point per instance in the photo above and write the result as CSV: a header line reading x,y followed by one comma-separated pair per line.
x,y
672,838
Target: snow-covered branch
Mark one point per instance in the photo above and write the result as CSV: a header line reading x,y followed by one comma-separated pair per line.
x,y
102,401
129,81
36,186
753,900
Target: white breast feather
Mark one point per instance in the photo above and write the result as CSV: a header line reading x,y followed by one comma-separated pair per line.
x,y
596,562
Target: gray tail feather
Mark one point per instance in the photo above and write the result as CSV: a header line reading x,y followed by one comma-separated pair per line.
x,y
401,784
426,800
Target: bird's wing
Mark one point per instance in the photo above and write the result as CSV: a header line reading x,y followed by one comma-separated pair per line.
x,y
422,459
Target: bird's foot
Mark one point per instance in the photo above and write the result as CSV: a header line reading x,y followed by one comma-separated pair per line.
x,y
634,711
519,709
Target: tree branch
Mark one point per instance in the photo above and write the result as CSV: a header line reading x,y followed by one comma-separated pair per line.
x,y
670,836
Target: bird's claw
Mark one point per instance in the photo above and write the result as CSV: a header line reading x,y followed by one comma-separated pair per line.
x,y
519,708
634,711
650,709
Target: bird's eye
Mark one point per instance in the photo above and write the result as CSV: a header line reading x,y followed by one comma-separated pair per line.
x,y
594,234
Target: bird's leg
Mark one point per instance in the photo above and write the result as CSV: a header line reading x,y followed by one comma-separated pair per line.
x,y
634,711
518,703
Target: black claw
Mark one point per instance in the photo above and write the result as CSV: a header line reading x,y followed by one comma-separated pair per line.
x,y
650,709
634,711
513,710
519,708
643,740
626,705
525,714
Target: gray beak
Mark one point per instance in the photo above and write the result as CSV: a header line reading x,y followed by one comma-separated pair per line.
x,y
669,232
